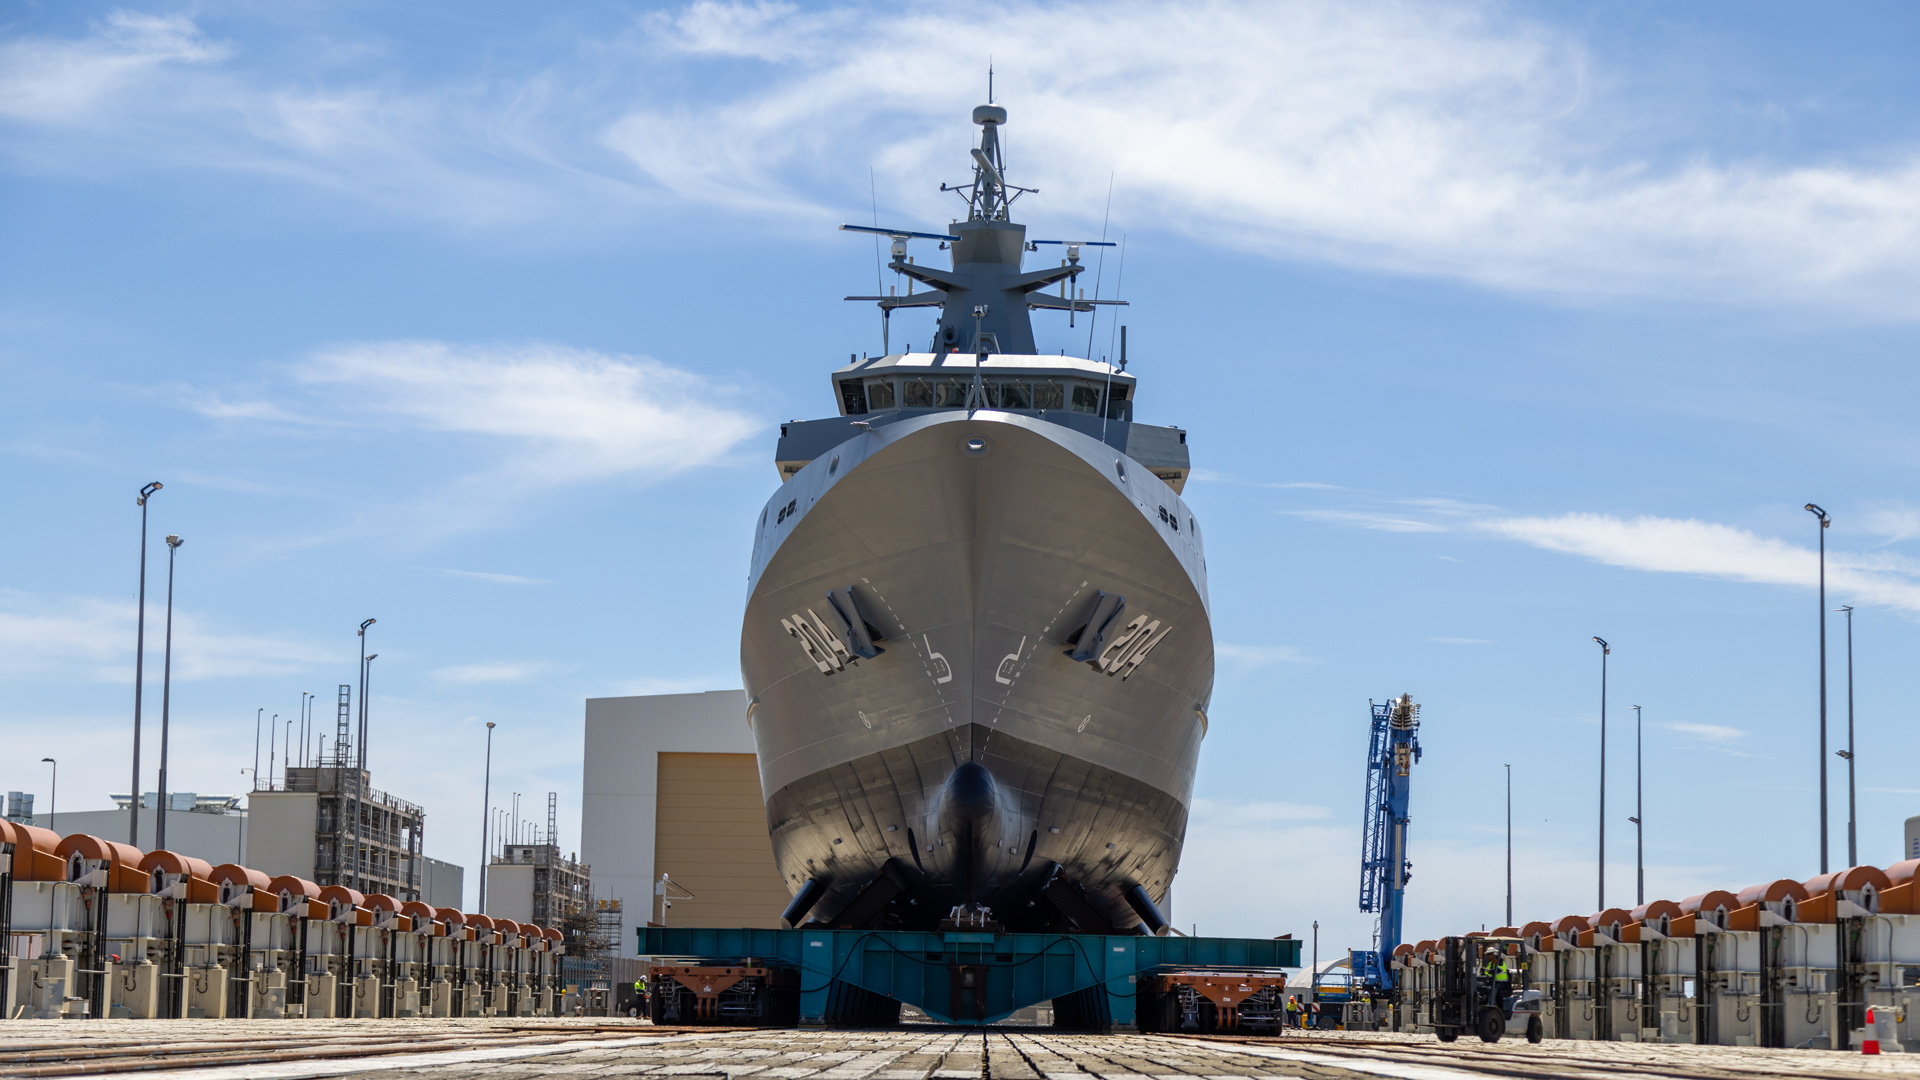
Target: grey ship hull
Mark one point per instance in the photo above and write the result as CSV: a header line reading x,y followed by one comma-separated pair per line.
x,y
974,566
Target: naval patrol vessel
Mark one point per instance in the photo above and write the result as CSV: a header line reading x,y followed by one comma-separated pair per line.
x,y
977,648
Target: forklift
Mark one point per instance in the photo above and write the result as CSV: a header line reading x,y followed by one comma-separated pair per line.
x,y
1468,998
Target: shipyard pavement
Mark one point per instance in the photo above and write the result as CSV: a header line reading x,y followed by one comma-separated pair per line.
x,y
524,1050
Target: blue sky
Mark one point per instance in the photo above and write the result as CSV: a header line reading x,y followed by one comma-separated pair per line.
x,y
1495,327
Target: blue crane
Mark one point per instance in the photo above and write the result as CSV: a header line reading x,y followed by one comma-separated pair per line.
x,y
1384,868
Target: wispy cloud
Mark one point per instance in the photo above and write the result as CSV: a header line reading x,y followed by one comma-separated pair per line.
x,y
1688,546
1254,656
562,415
1719,733
1451,139
96,638
493,671
1461,140
491,579
1369,520
50,80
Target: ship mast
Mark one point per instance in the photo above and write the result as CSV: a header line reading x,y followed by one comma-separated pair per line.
x,y
985,299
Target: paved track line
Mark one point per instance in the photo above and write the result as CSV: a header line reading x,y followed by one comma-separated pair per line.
x,y
1351,1064
301,1070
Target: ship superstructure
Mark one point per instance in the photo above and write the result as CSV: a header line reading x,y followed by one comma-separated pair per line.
x,y
977,647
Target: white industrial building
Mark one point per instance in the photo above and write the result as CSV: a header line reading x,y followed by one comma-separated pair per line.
x,y
209,827
671,787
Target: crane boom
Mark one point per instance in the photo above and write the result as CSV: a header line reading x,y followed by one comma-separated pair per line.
x,y
1393,747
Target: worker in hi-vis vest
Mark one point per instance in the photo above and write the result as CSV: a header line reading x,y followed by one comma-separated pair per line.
x,y
1498,972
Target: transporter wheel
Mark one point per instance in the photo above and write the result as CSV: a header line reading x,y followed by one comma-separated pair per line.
x,y
1534,1029
1209,1016
1446,1034
1491,1025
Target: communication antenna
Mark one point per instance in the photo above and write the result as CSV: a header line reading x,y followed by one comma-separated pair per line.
x,y
1100,270
879,284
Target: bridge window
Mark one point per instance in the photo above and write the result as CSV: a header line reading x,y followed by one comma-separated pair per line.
x,y
917,394
1014,396
1086,399
949,395
1118,407
1049,395
880,394
853,398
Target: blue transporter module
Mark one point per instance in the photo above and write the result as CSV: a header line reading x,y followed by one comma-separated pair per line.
x,y
863,977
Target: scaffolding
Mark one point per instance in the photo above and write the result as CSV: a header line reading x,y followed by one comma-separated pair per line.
x,y
363,838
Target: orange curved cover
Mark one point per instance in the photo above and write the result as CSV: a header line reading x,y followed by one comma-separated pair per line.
x,y
123,861
555,935
1773,892
1613,916
240,876
450,916
1902,872
195,873
1401,950
294,886
233,879
1654,909
1569,922
1536,930
1852,879
481,922
172,862
414,909
380,901
1506,931
341,900
33,852
1710,902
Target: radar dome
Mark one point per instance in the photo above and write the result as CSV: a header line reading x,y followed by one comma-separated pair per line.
x,y
989,114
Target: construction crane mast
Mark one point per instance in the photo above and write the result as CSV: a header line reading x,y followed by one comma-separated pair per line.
x,y
1384,868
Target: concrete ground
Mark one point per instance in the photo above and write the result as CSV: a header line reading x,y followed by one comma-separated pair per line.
x,y
513,1050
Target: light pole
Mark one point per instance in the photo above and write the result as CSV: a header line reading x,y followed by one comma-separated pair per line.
x,y
1509,769
271,736
285,778
240,855
53,800
139,663
257,713
1605,651
1853,839
360,751
166,702
1313,984
1825,523
303,727
486,787
1639,828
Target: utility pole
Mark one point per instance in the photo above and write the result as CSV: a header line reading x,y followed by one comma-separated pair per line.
x,y
139,663
1853,818
166,703
486,787
1605,651
1509,769
1825,523
1639,826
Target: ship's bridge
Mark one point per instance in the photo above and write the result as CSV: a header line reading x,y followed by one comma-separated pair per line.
x,y
1014,383
1093,398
